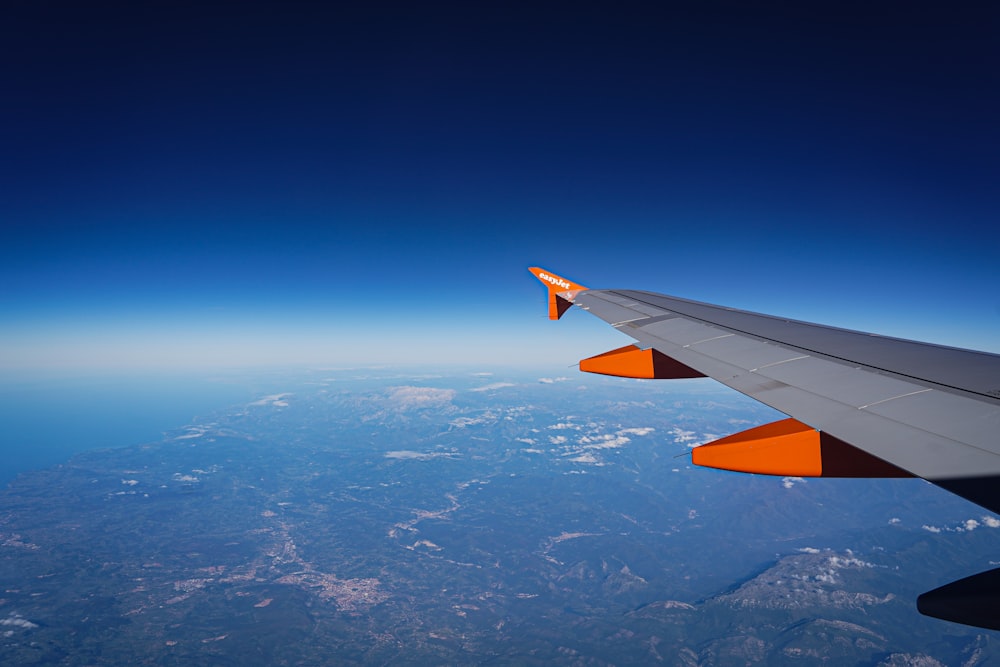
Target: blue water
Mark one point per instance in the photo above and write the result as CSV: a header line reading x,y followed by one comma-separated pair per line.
x,y
45,419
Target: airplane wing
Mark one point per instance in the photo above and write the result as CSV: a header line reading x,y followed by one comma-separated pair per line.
x,y
859,404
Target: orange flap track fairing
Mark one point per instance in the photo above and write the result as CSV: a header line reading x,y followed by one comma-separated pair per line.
x,y
632,362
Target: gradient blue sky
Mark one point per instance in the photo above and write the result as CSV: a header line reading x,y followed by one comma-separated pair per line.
x,y
201,184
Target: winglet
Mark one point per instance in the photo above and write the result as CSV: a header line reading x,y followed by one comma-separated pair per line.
x,y
561,291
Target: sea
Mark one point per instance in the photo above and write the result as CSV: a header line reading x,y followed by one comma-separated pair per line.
x,y
47,417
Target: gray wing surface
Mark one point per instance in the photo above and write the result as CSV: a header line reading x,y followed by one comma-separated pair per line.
x,y
931,410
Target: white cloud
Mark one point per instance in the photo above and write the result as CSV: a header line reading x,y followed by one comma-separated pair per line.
x,y
462,422
966,526
894,520
606,441
586,457
682,436
688,438
18,621
789,482
552,380
407,454
527,441
564,425
178,477
273,399
828,574
642,430
495,385
557,439
839,562
420,397
130,482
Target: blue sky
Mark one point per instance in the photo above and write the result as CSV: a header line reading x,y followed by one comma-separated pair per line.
x,y
193,185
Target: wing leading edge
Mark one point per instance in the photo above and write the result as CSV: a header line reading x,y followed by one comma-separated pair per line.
x,y
860,405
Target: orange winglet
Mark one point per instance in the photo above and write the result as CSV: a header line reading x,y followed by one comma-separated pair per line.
x,y
631,362
790,448
561,291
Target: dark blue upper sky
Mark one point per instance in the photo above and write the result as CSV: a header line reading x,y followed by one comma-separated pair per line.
x,y
189,183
